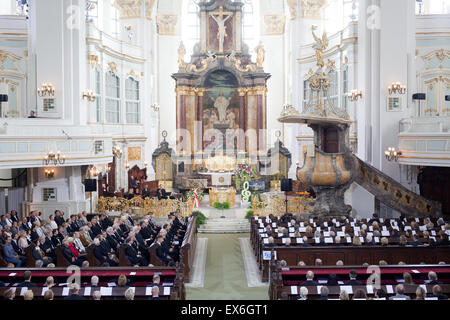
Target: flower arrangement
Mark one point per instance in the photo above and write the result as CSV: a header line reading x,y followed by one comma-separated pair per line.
x,y
195,195
244,172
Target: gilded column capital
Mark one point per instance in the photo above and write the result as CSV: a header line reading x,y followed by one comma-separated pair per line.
x,y
242,91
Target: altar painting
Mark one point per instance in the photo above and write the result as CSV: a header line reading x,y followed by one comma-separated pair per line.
x,y
221,105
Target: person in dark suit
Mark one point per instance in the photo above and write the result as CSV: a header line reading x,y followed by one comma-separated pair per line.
x,y
161,250
27,280
155,293
70,257
443,241
324,293
101,254
309,279
129,195
332,280
48,247
38,253
15,245
414,242
437,292
59,218
433,279
161,192
353,282
271,243
146,193
369,241
74,293
14,216
132,254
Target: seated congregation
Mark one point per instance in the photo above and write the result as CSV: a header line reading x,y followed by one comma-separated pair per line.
x,y
319,257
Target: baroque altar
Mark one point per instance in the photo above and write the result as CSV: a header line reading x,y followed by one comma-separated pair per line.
x,y
220,94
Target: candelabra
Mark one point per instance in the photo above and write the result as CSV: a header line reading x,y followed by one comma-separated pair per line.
x,y
397,87
49,173
391,154
46,89
354,95
89,95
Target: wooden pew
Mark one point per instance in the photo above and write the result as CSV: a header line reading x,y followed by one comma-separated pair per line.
x,y
357,255
60,260
117,293
93,261
30,261
3,262
154,259
188,247
283,279
140,278
123,260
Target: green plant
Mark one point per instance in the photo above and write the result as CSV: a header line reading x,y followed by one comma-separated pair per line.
x,y
221,205
249,215
201,219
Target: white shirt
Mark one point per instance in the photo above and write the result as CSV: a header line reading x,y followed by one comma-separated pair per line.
x,y
53,224
9,222
79,245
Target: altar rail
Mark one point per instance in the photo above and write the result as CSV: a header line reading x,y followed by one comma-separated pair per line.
x,y
277,206
160,208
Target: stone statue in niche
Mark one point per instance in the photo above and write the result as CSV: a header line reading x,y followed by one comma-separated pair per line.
x,y
260,53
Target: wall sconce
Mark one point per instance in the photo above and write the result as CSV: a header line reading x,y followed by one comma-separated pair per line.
x,y
94,171
391,154
127,165
56,158
107,168
117,152
397,87
89,95
354,95
46,89
155,107
145,164
49,173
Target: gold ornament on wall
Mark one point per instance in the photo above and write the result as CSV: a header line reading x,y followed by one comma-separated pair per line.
x,y
134,153
113,66
149,5
292,4
167,24
129,8
260,55
274,24
93,60
312,9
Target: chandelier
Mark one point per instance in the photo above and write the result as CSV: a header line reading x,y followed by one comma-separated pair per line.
x,y
354,95
55,158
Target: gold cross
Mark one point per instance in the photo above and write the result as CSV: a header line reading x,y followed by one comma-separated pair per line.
x,y
221,13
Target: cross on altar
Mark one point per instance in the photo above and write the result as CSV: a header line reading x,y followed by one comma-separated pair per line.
x,y
218,16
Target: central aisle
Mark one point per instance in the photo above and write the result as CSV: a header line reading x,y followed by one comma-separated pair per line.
x,y
225,274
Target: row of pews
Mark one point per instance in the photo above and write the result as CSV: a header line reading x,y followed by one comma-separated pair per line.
x,y
142,275
172,282
330,253
285,282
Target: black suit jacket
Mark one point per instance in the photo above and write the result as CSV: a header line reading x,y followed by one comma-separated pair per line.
x,y
309,283
99,254
131,253
68,254
74,297
59,220
27,284
353,283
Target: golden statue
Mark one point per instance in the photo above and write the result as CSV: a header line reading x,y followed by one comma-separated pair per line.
x,y
181,54
320,45
260,53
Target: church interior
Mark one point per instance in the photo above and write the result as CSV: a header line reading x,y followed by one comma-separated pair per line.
x,y
224,149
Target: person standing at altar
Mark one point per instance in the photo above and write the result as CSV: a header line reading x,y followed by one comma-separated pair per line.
x,y
129,195
146,192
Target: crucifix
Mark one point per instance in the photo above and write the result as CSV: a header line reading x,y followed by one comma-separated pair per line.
x,y
218,16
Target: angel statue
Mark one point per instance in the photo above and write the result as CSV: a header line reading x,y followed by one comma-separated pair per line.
x,y
181,54
320,45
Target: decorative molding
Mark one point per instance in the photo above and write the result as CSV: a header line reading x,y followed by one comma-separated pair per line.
x,y
312,9
237,63
134,153
132,73
149,5
274,24
440,54
113,66
292,4
167,24
129,9
93,60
